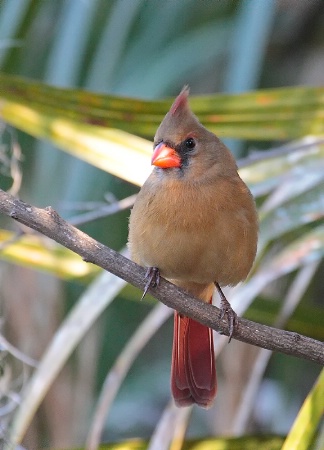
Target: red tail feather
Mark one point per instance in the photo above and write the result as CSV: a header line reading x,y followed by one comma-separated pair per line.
x,y
193,373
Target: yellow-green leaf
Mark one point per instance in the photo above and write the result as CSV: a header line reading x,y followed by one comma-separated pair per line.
x,y
97,128
305,426
43,254
283,113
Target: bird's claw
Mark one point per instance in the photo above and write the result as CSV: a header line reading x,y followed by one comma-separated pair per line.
x,y
153,279
226,310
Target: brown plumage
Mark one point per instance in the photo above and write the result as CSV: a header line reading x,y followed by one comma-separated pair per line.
x,y
195,221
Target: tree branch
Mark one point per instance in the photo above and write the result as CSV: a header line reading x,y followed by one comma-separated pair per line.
x,y
48,222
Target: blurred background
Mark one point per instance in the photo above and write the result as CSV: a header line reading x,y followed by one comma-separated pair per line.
x,y
145,49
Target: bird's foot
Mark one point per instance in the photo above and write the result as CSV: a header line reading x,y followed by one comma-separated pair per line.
x,y
153,279
226,310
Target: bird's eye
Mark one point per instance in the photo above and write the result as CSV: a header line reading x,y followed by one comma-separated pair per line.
x,y
190,143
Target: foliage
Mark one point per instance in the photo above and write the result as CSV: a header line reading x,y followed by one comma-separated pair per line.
x,y
130,52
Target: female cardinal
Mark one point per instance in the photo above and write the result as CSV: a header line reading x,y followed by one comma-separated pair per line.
x,y
194,222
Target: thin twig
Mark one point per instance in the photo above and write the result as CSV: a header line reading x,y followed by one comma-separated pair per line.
x,y
15,169
48,222
11,159
17,353
303,144
103,211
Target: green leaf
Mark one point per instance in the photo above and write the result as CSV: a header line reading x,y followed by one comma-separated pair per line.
x,y
311,413
283,113
93,127
264,442
43,254
114,151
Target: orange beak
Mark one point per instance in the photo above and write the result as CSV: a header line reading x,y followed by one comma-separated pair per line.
x,y
165,157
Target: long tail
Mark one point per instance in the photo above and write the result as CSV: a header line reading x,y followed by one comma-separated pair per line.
x,y
193,373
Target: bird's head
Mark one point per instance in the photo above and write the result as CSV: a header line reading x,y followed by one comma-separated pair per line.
x,y
185,147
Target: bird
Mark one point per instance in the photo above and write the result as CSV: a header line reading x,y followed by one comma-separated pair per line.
x,y
194,222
